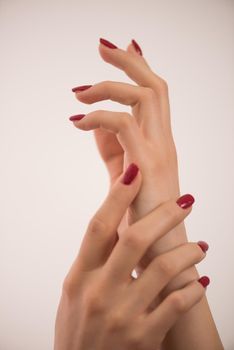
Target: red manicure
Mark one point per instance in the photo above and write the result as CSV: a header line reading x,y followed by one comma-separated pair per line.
x,y
108,43
77,117
203,245
130,174
205,281
81,88
137,47
185,201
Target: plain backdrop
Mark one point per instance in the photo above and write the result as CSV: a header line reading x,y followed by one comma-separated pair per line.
x,y
52,179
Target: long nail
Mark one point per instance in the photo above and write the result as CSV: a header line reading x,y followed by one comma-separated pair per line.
x,y
204,280
108,43
203,245
185,201
81,88
130,174
77,117
137,47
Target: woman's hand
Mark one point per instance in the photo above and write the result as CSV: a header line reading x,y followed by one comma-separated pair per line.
x,y
144,137
102,306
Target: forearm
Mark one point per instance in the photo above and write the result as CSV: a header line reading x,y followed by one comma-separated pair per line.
x,y
196,329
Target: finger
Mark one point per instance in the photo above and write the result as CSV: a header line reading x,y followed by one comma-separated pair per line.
x,y
131,49
135,49
175,305
140,97
102,229
163,269
123,125
133,65
135,241
136,67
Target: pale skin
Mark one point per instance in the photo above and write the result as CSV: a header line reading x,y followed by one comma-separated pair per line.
x,y
145,138
102,305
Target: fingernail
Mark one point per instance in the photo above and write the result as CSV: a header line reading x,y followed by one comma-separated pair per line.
x,y
205,281
77,117
185,201
130,174
108,43
81,88
203,245
137,47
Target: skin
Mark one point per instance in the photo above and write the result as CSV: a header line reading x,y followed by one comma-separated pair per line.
x,y
145,137
102,306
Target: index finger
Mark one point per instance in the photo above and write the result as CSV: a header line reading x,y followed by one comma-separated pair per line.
x,y
102,229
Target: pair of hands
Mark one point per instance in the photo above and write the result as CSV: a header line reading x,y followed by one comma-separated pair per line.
x,y
102,305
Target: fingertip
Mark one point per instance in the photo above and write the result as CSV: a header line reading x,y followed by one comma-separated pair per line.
x,y
107,43
204,281
203,245
130,174
77,117
186,201
137,47
131,49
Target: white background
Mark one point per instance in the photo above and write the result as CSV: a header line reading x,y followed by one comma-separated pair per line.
x,y
52,179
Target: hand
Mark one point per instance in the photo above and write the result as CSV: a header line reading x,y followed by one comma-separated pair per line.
x,y
102,306
144,137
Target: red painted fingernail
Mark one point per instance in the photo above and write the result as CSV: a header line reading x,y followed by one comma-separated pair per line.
x,y
203,245
108,43
137,47
77,117
185,201
81,88
130,174
205,281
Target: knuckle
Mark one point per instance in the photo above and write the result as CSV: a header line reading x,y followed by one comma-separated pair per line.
x,y
135,341
147,93
165,267
116,321
73,282
126,121
162,85
67,286
178,302
94,303
97,226
133,240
